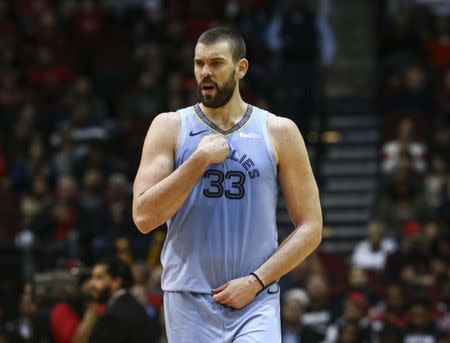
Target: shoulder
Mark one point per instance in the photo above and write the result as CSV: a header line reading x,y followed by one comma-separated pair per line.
x,y
283,132
126,301
164,131
281,128
169,120
362,245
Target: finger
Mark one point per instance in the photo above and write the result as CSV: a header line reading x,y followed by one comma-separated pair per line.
x,y
221,297
220,288
225,302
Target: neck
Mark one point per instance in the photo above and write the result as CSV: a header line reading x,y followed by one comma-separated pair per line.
x,y
117,293
229,114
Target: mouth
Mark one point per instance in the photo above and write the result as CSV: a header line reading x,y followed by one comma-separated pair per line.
x,y
207,88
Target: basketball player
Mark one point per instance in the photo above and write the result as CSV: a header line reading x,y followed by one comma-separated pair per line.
x,y
211,172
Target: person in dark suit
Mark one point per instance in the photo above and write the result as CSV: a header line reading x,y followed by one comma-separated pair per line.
x,y
124,319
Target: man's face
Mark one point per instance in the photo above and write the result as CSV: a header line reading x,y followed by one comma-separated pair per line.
x,y
215,73
101,283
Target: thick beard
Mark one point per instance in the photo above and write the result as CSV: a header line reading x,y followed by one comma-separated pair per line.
x,y
104,296
222,96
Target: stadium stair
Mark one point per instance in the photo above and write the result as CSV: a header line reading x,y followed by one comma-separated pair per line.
x,y
349,172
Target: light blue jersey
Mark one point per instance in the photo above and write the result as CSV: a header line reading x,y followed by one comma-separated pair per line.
x,y
227,226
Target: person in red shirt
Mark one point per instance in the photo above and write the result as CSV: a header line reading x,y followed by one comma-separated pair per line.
x,y
438,46
48,75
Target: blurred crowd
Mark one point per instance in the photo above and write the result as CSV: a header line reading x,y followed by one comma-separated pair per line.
x,y
394,287
80,82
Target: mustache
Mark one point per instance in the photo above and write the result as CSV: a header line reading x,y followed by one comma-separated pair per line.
x,y
208,79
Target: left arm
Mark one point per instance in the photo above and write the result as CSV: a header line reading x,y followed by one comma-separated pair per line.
x,y
303,204
302,201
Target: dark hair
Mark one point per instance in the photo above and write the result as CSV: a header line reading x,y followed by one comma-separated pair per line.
x,y
117,268
228,34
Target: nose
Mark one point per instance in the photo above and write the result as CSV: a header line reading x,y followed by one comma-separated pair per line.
x,y
206,71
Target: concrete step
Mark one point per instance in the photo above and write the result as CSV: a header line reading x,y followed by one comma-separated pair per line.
x,y
351,121
347,232
360,136
351,105
346,216
337,247
349,200
349,168
349,184
341,152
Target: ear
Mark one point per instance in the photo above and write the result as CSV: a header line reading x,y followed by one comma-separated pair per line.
x,y
242,67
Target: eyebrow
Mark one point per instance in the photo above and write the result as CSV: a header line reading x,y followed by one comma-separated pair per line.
x,y
212,59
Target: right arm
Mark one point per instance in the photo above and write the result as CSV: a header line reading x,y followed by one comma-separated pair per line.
x,y
159,190
84,330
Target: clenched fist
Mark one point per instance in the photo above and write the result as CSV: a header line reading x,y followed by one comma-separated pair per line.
x,y
214,148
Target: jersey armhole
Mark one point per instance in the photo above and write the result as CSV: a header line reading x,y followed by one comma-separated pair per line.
x,y
269,146
181,142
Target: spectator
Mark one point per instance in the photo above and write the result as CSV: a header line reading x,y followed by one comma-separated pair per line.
x,y
393,310
443,307
124,318
48,75
88,25
83,127
298,276
293,329
11,95
350,333
435,184
143,104
393,150
65,315
8,29
94,231
408,264
46,32
21,330
360,282
66,157
400,41
401,202
371,254
155,296
10,219
354,311
318,314
83,93
438,45
421,325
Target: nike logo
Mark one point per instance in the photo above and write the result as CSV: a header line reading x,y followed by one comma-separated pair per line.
x,y
196,133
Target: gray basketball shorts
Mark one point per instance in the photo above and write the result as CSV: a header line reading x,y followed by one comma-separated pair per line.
x,y
196,318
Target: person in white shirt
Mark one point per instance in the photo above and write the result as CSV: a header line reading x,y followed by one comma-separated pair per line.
x,y
371,253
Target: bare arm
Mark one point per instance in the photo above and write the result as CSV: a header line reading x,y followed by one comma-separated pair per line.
x,y
159,190
302,200
84,330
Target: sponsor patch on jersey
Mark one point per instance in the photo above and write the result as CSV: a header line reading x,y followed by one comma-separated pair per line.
x,y
249,135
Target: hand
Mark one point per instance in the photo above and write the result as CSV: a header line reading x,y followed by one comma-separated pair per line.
x,y
237,293
214,148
